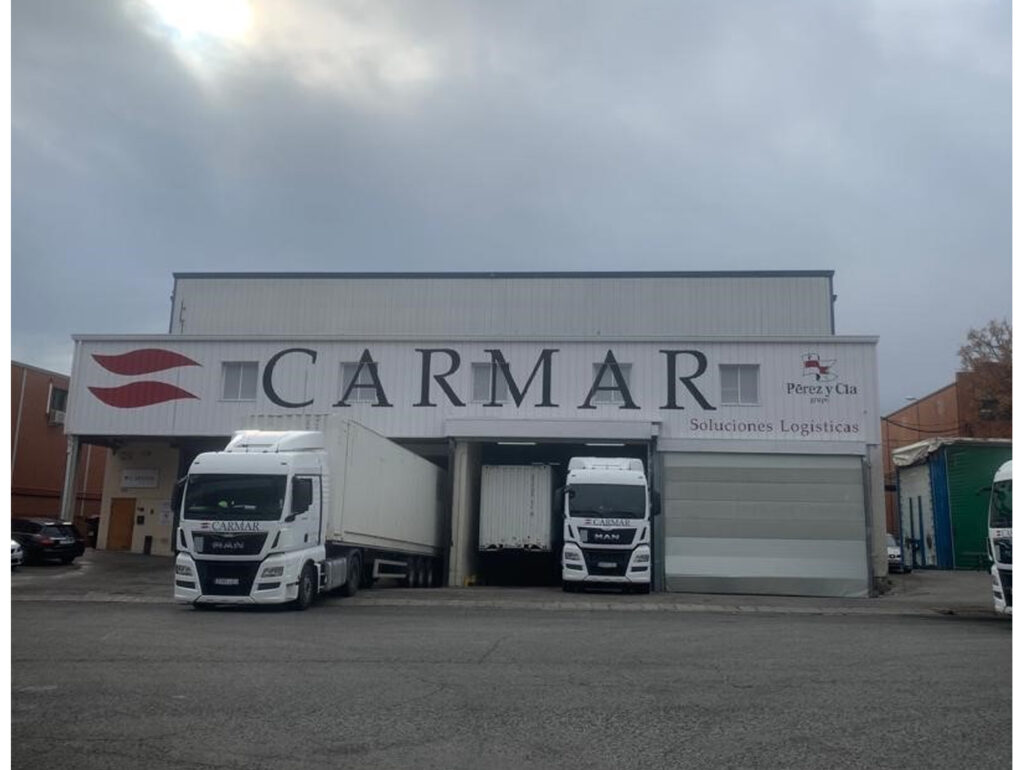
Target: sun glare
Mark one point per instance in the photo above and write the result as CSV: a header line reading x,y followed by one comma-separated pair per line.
x,y
192,19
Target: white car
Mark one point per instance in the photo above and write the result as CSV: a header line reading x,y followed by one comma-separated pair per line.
x,y
17,555
896,563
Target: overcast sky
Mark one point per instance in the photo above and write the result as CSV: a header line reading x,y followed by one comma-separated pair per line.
x,y
869,138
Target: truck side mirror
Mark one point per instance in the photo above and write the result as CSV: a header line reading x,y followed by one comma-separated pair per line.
x,y
655,504
302,495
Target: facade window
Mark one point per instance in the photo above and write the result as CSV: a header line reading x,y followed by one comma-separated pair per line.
x,y
608,381
239,381
739,384
358,394
482,375
58,400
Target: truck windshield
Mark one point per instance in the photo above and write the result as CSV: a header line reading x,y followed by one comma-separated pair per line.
x,y
607,501
1000,515
219,496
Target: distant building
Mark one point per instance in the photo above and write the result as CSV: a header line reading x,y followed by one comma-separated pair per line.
x,y
943,494
39,449
958,410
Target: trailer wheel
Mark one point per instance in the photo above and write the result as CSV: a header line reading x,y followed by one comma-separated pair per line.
x,y
307,588
355,574
412,575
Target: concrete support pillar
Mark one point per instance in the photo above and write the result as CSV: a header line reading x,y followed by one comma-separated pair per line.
x,y
879,555
465,481
67,494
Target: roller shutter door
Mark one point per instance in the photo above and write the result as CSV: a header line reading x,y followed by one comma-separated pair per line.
x,y
765,524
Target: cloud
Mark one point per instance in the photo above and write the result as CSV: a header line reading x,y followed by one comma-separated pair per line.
x,y
869,138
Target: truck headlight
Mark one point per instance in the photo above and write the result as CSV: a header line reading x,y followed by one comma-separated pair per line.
x,y
182,569
642,558
277,571
572,556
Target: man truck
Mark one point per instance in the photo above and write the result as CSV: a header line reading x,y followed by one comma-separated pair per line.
x,y
1000,538
607,524
283,515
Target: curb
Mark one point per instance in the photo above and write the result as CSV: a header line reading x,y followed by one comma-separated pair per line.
x,y
568,606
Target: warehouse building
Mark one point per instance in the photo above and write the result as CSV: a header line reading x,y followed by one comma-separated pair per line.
x,y
758,425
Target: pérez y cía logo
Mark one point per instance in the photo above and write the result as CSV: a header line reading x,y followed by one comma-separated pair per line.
x,y
825,384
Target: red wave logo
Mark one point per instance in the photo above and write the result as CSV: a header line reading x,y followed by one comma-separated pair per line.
x,y
136,394
144,361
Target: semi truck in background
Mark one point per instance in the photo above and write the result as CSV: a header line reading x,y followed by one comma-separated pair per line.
x,y
1000,538
607,524
284,514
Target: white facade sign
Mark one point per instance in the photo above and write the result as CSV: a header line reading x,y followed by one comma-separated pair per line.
x,y
140,478
824,389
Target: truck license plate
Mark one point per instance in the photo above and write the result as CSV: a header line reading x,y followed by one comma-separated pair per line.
x,y
607,564
225,581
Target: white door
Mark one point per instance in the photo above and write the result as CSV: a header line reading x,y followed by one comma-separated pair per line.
x,y
765,524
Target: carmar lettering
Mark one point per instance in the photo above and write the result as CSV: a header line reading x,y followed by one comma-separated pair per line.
x,y
439,369
235,526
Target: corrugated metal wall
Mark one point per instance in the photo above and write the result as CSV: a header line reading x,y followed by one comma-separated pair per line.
x,y
765,523
505,307
918,516
515,507
969,469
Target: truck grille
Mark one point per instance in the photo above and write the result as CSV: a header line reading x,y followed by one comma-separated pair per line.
x,y
225,578
1006,580
606,562
607,536
230,545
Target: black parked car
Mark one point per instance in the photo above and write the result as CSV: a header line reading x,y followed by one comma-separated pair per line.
x,y
44,539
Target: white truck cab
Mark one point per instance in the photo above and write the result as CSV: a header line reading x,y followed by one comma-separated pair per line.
x,y
252,523
607,524
1000,538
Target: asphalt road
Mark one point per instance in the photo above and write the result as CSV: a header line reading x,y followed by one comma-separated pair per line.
x,y
106,684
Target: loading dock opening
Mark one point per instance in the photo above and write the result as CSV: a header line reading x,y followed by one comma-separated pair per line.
x,y
536,566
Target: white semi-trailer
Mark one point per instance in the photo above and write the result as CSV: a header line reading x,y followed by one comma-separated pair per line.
x,y
284,515
515,508
607,524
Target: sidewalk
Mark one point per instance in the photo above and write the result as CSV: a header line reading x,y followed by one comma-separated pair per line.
x,y
106,576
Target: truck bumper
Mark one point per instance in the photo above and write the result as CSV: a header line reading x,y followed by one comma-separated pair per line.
x,y
637,571
188,587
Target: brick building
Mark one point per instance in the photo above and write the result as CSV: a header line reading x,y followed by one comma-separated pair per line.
x,y
959,410
39,449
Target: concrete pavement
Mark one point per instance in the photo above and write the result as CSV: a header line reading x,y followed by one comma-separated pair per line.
x,y
106,576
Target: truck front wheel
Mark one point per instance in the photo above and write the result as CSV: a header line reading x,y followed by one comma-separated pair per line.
x,y
307,588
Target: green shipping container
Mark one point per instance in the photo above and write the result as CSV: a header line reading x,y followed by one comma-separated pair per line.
x,y
968,469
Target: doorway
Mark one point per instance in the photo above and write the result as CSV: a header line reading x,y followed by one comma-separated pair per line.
x,y
122,524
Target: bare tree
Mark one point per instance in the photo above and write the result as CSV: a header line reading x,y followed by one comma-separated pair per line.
x,y
987,357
